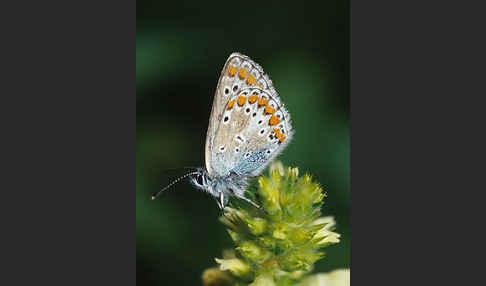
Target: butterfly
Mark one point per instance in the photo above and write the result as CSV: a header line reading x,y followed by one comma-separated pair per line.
x,y
248,127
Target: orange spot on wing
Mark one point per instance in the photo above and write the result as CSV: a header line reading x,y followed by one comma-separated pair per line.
x,y
262,101
278,135
230,104
251,80
252,98
232,70
282,139
269,109
241,100
260,85
274,120
243,72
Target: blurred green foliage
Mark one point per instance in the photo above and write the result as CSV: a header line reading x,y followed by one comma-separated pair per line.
x,y
181,47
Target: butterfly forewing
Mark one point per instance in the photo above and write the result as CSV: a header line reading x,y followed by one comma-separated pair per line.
x,y
249,124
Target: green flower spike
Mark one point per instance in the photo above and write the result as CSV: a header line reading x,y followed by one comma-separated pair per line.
x,y
279,244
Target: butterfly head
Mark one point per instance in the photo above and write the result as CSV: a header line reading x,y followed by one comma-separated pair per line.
x,y
200,179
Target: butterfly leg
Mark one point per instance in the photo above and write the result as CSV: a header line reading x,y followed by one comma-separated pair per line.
x,y
222,201
247,199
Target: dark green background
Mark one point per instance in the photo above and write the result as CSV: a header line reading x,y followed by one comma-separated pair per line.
x,y
181,48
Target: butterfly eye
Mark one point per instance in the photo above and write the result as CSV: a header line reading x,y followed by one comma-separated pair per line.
x,y
199,179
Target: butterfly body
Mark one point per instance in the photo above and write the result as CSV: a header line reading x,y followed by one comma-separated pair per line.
x,y
221,187
248,127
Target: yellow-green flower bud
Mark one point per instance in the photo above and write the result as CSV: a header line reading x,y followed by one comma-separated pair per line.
x,y
214,276
270,196
300,235
236,266
257,225
263,280
339,277
234,235
324,235
253,252
280,231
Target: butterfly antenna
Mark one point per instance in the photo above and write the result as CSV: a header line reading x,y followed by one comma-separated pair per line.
x,y
181,168
155,195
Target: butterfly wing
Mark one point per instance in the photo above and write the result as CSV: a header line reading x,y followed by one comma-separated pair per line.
x,y
249,124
